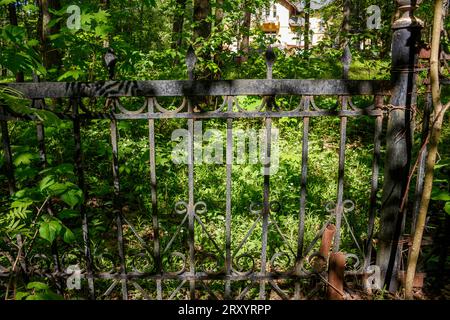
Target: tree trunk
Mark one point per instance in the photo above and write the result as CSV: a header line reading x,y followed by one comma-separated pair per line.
x,y
14,22
12,14
202,10
105,5
347,54
307,25
202,30
51,56
245,44
218,29
178,22
219,15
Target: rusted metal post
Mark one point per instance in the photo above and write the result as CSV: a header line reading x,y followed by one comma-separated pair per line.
x,y
327,238
320,264
406,35
335,290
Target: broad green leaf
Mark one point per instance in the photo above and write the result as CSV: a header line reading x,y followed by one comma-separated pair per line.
x,y
441,165
441,196
24,158
101,16
102,31
68,237
33,42
6,2
55,226
46,233
447,207
30,7
47,117
20,295
38,286
72,197
46,182
49,230
58,188
71,74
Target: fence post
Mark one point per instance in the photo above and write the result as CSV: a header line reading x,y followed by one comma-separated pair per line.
x,y
405,38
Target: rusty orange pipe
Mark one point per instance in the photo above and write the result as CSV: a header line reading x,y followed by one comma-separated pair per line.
x,y
336,276
327,238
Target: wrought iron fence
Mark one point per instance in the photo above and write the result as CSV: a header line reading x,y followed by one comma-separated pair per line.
x,y
194,274
192,208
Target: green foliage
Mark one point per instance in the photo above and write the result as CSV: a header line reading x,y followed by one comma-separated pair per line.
x,y
439,193
51,227
66,191
14,100
19,52
37,291
45,210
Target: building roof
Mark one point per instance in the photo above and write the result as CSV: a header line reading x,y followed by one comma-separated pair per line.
x,y
291,6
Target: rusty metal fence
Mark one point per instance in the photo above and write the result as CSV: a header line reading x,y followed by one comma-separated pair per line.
x,y
391,100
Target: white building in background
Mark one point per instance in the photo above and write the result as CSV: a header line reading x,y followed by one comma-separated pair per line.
x,y
282,20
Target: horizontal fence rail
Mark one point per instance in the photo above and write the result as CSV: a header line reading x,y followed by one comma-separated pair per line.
x,y
173,88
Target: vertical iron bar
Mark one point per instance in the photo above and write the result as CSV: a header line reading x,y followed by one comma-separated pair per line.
x,y
266,207
81,185
303,190
374,182
229,159
154,196
346,62
270,61
191,60
191,219
341,175
118,206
